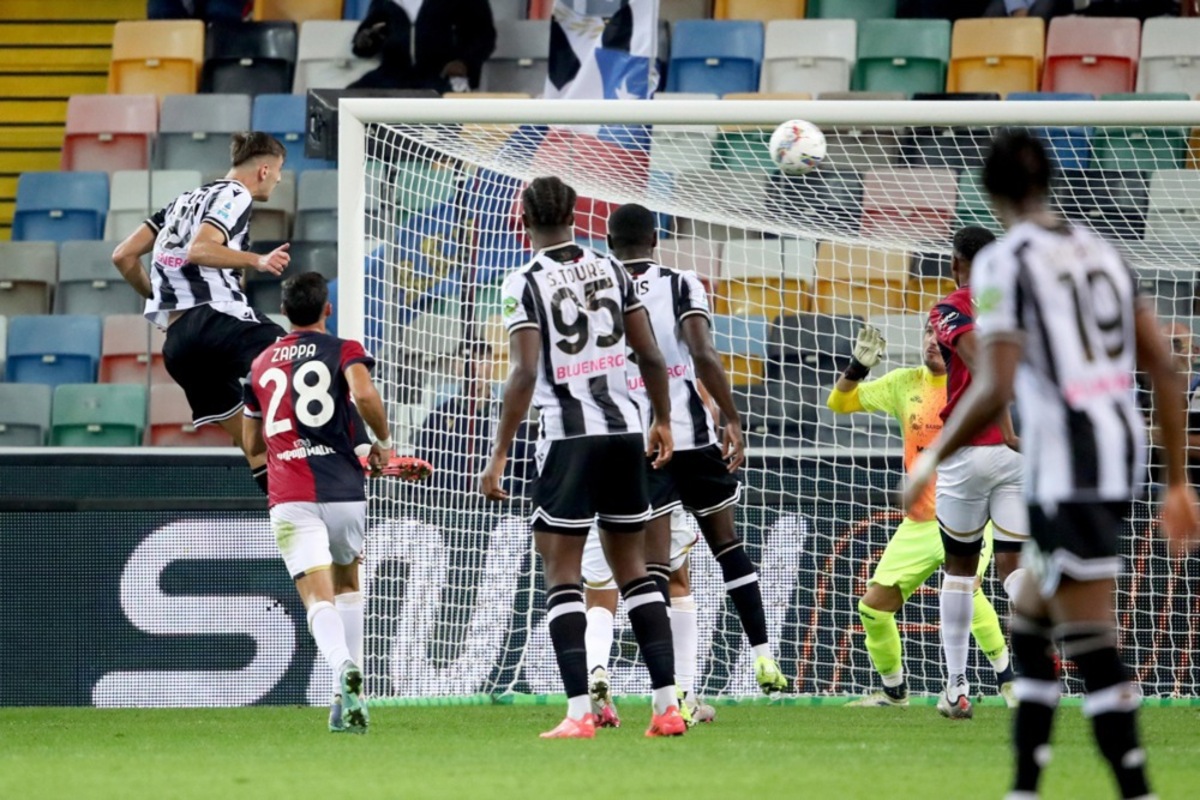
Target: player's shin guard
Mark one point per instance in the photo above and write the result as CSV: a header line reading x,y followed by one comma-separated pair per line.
x,y
985,627
350,607
883,642
568,631
260,477
1037,691
662,578
325,624
1111,700
741,584
684,634
599,637
648,618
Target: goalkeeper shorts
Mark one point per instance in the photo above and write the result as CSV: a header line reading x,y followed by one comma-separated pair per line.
x,y
915,552
311,536
598,575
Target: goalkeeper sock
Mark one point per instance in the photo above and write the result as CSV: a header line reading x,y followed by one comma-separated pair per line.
x,y
1037,691
350,607
985,627
741,584
599,637
260,477
883,642
956,608
648,618
684,633
568,631
325,624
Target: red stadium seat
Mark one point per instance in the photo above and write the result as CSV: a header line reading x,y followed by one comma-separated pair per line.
x,y
171,422
891,207
132,346
109,132
1092,54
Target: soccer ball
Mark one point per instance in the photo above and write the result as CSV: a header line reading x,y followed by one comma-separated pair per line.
x,y
797,147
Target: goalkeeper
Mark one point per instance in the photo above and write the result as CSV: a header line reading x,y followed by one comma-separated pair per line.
x,y
914,396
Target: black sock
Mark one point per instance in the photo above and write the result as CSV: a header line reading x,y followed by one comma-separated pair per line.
x,y
897,692
741,584
260,477
568,629
1111,701
662,578
648,617
1038,691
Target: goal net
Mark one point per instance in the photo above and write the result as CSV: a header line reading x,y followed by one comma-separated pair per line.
x,y
793,266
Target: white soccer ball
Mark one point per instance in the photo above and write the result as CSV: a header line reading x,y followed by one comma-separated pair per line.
x,y
797,147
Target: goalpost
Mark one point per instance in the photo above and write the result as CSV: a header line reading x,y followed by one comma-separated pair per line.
x,y
428,197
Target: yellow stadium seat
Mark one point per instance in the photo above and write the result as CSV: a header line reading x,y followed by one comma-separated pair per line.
x,y
997,55
859,281
764,10
924,292
158,57
760,297
297,10
742,369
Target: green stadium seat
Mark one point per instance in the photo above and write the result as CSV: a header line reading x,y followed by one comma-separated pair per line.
x,y
1144,149
851,9
905,55
973,207
98,415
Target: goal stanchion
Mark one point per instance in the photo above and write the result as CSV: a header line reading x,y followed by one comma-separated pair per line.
x,y
429,196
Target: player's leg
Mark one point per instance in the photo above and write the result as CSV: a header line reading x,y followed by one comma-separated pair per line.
x,y
685,631
346,523
1037,689
1008,510
985,627
600,597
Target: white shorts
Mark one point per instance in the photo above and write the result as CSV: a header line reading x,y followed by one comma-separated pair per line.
x,y
598,575
978,484
311,536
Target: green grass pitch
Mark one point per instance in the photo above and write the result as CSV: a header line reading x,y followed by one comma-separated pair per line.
x,y
493,752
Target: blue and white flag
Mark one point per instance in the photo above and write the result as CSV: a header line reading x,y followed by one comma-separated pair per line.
x,y
603,49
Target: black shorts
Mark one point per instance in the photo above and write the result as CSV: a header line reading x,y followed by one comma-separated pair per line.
x,y
209,353
696,480
588,478
1080,541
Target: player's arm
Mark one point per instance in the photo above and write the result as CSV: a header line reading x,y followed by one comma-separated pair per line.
x,y
370,407
209,249
696,333
253,442
868,350
968,350
640,337
127,258
524,348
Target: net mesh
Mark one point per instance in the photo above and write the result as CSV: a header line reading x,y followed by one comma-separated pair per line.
x,y
793,265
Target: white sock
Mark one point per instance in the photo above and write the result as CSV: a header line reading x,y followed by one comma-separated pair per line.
x,y
577,707
1013,584
664,698
326,625
599,637
893,680
763,651
684,633
350,607
1001,661
957,606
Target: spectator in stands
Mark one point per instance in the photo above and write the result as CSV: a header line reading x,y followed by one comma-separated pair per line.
x,y
1030,8
207,10
425,44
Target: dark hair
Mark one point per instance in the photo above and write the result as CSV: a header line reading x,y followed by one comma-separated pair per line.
x,y
548,202
246,145
1017,167
304,297
970,240
631,225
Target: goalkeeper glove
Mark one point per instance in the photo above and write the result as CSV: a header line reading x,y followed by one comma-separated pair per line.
x,y
868,350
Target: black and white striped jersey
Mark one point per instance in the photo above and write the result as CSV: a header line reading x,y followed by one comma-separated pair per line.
x,y
578,301
670,296
177,283
1071,299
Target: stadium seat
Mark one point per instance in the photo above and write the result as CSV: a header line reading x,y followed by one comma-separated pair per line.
x,y
928,282
831,194
1091,54
862,148
954,148
272,219
285,116
136,194
891,207
316,205
357,9
1170,55
701,255
852,9
521,57
904,55
1173,291
1144,149
671,11
719,56
53,349
501,9
1173,213
131,351
297,10
158,57
194,130
107,132
171,421
808,56
28,273
681,148
1112,203
904,334
761,10
98,415
24,415
997,55
742,343
973,206
1071,148
326,59
859,281
58,206
249,58
322,257
88,283
751,279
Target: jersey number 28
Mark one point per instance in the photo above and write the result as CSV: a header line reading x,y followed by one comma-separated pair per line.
x,y
307,394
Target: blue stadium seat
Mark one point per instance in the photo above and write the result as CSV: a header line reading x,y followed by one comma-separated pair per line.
x,y
53,349
717,56
331,323
1071,148
58,206
285,117
742,335
355,9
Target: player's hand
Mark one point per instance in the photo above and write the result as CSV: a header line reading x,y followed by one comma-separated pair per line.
x,y
1013,443
491,478
869,347
733,448
378,458
660,444
1181,518
276,261
923,473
